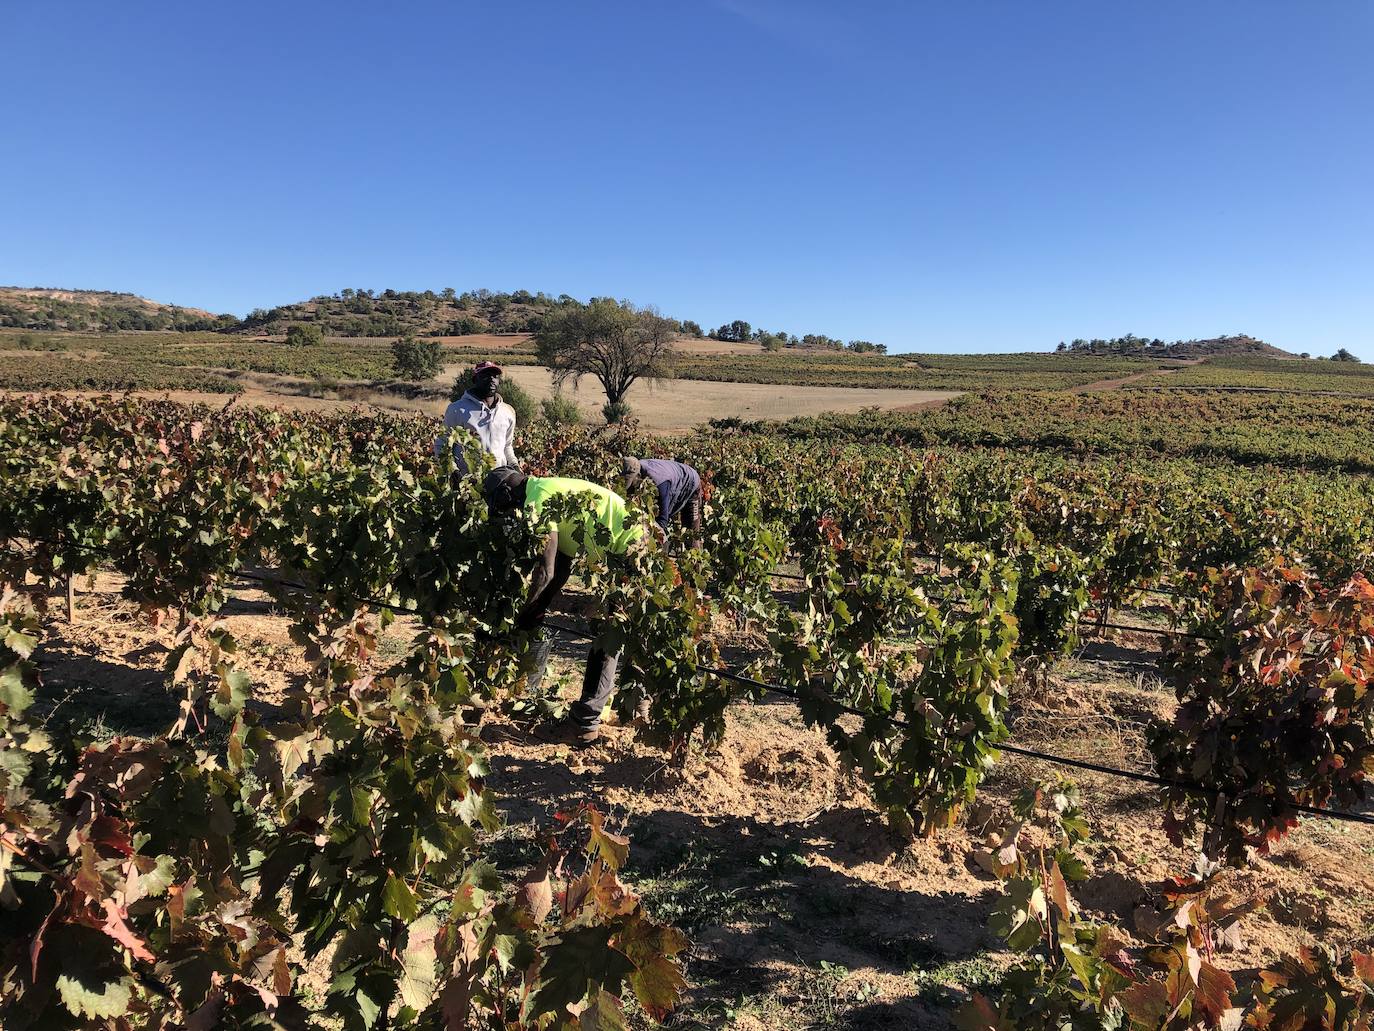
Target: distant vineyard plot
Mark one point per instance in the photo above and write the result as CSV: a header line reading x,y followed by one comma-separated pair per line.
x,y
1295,375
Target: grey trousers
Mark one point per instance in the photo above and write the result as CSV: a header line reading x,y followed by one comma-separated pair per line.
x,y
598,683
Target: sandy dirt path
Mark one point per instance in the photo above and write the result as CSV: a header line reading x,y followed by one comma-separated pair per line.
x,y
1135,377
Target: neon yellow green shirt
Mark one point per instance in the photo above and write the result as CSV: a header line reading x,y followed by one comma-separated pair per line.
x,y
600,505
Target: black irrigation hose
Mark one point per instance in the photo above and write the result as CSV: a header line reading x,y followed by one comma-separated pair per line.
x,y
1148,630
318,592
1061,760
1090,623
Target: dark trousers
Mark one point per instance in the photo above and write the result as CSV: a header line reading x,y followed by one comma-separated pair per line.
x,y
691,513
598,683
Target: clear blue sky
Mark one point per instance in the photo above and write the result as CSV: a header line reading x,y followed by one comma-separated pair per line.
x,y
968,175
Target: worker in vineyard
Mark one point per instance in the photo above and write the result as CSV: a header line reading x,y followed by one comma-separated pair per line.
x,y
508,489
678,486
481,412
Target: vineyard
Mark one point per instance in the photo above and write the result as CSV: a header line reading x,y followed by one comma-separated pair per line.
x,y
342,820
217,363
1302,433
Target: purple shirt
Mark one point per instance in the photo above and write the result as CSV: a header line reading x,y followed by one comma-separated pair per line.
x,y
677,485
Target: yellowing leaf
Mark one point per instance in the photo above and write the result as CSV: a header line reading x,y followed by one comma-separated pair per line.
x,y
418,979
88,994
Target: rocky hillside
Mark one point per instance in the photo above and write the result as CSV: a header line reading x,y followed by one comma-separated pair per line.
x,y
385,313
1132,346
1227,345
98,311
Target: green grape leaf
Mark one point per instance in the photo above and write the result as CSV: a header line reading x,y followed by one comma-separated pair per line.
x,y
398,900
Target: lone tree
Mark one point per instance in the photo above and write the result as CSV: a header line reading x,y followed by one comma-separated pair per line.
x,y
415,360
298,335
1344,356
614,341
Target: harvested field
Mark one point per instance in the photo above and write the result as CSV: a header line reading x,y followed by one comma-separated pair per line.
x,y
680,404
667,407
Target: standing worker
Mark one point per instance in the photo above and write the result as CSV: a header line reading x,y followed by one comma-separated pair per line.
x,y
508,489
482,413
678,485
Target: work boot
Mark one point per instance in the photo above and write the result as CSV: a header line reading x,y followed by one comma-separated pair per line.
x,y
566,732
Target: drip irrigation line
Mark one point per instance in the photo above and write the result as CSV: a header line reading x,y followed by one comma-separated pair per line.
x,y
1030,753
379,603
320,592
1165,592
739,678
1160,631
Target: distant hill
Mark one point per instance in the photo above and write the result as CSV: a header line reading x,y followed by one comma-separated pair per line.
x,y
389,313
1132,346
394,313
98,311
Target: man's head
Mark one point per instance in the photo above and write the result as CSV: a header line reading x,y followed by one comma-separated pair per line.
x,y
504,488
486,380
630,473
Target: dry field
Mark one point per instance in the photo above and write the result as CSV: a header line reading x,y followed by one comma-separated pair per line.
x,y
670,406
804,912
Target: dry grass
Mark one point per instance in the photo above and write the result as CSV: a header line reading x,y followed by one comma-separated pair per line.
x,y
672,405
666,407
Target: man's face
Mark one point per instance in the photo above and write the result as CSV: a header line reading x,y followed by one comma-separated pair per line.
x,y
486,383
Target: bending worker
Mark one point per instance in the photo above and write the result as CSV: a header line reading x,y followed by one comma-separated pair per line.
x,y
508,489
678,485
482,413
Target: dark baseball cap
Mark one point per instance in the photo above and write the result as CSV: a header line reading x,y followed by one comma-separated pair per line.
x,y
482,367
501,484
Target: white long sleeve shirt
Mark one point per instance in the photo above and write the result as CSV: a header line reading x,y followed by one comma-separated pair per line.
x,y
494,427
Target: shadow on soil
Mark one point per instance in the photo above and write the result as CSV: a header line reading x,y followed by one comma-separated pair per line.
x,y
89,693
773,928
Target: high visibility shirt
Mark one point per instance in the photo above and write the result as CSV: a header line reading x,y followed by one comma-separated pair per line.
x,y
598,505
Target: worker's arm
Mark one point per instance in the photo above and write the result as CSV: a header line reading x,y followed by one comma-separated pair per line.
x,y
544,585
508,458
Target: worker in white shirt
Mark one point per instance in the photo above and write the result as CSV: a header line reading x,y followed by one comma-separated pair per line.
x,y
482,413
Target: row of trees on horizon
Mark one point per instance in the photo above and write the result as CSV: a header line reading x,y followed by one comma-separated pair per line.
x,y
1130,345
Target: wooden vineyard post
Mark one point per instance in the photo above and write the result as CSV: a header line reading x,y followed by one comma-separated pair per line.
x,y
71,598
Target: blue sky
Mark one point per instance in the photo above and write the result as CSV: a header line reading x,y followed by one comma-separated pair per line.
x,y
969,175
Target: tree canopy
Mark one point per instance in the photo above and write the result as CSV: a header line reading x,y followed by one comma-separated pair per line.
x,y
304,336
615,341
734,331
416,360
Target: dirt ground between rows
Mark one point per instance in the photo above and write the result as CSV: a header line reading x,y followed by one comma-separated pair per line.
x,y
803,910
